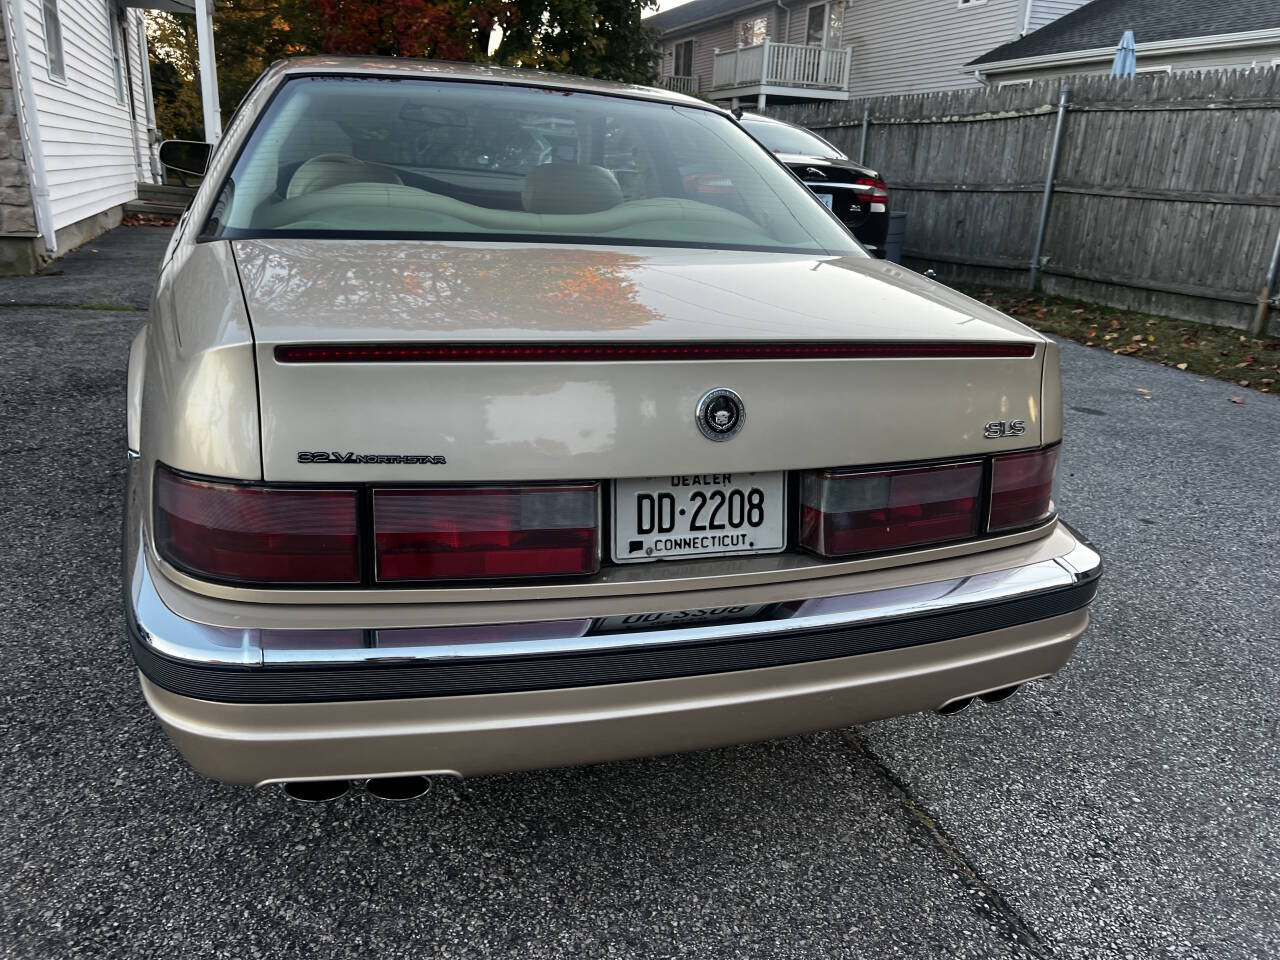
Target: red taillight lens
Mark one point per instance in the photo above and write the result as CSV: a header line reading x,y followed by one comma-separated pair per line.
x,y
1021,485
844,513
256,534
459,533
879,191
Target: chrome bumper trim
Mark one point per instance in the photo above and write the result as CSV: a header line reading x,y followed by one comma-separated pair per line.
x,y
308,666
176,637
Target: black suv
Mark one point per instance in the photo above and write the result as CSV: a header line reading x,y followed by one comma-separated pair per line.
x,y
854,193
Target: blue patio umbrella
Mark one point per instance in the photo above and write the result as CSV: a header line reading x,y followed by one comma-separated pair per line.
x,y
1126,62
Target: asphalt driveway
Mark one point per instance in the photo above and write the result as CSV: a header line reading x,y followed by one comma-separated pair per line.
x,y
1125,809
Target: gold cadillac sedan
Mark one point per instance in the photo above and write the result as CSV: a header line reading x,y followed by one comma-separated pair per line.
x,y
488,420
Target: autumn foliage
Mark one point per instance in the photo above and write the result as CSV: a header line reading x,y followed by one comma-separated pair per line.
x,y
448,30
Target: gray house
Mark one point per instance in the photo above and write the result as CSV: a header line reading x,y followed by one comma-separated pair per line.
x,y
788,51
1171,35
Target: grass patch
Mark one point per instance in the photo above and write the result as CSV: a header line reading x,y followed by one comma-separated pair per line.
x,y
1218,352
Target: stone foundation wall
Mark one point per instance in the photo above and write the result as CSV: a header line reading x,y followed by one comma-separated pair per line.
x,y
17,218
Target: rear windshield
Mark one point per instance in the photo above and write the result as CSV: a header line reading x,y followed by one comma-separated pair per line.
x,y
357,157
784,138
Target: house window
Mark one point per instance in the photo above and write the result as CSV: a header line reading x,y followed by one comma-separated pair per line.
x,y
824,24
53,41
683,65
117,65
753,31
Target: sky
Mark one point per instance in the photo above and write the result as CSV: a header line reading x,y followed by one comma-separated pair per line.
x,y
667,5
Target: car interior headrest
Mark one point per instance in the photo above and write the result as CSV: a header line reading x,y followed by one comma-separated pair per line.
x,y
570,188
334,170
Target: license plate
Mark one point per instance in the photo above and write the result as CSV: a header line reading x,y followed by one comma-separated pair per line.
x,y
698,515
676,618
826,198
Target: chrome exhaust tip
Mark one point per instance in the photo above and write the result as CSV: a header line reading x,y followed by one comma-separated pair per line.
x,y
398,789
955,706
315,791
998,696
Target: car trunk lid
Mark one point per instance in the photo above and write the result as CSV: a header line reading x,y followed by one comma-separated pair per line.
x,y
561,417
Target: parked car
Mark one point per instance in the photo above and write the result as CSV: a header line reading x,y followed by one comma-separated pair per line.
x,y
450,455
854,193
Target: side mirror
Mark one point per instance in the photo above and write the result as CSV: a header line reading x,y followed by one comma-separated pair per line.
x,y
187,156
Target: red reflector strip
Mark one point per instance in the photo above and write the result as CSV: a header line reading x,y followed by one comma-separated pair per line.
x,y
255,534
1021,488
460,533
849,513
621,352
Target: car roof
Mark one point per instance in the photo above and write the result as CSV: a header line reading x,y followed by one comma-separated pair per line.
x,y
761,118
477,72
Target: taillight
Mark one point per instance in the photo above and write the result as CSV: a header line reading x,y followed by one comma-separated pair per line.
x,y
252,534
849,512
460,533
1021,485
879,190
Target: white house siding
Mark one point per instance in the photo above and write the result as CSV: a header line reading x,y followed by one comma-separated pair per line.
x,y
917,46
86,133
1044,12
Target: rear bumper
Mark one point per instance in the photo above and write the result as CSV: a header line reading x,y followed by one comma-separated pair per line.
x,y
249,705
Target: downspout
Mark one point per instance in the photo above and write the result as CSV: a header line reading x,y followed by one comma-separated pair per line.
x,y
1026,16
120,24
152,133
1037,256
28,122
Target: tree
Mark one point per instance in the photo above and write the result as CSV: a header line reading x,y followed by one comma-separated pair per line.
x,y
591,38
248,36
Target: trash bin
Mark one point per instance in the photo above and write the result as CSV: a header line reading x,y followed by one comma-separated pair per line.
x,y
893,239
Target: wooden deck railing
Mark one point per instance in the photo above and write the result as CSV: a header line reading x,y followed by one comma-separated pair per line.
x,y
783,65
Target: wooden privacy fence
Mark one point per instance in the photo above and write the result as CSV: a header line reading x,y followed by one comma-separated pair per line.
x,y
1166,196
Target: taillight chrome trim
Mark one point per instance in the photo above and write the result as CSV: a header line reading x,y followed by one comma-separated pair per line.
x,y
640,352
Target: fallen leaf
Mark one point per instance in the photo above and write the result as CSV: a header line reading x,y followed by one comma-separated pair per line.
x,y
1081,310
1243,383
1144,391
1151,338
1181,366
1234,399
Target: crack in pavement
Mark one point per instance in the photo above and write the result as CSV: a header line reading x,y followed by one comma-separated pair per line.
x,y
988,902
92,307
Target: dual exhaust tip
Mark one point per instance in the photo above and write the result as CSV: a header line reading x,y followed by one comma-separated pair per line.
x,y
412,787
991,696
392,789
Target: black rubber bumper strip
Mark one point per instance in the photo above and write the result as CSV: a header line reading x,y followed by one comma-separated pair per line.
x,y
322,683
